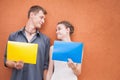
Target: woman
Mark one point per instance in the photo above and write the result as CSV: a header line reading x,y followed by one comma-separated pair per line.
x,y
59,70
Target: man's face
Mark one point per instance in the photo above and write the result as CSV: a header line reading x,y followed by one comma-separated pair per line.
x,y
38,19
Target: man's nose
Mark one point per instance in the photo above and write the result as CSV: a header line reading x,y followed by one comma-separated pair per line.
x,y
43,20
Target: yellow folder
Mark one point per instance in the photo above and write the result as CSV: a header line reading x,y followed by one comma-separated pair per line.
x,y
20,51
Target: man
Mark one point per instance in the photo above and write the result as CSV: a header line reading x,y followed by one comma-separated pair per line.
x,y
30,34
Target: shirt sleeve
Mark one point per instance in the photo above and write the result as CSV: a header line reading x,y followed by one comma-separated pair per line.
x,y
47,54
10,38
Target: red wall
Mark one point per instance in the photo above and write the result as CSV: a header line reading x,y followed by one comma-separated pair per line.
x,y
97,25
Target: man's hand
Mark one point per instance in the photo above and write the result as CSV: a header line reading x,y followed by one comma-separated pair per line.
x,y
19,65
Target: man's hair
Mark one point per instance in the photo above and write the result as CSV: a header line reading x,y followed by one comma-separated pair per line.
x,y
36,9
68,25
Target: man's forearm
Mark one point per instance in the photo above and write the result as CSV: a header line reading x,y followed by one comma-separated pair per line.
x,y
10,64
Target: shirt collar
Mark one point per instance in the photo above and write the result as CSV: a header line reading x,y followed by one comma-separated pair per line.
x,y
22,30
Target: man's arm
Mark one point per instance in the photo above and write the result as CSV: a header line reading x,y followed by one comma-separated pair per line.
x,y
46,58
45,74
13,64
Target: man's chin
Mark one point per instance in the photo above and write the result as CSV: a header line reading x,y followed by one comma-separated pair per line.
x,y
38,27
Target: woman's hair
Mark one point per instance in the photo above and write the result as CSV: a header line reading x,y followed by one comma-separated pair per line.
x,y
68,25
36,9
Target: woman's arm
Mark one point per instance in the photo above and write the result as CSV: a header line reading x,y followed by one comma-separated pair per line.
x,y
75,67
51,65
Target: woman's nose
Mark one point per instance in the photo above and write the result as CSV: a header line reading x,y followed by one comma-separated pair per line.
x,y
57,31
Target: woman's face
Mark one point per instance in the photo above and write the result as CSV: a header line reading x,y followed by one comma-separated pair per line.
x,y
61,31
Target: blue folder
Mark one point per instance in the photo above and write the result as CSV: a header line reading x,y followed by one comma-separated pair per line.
x,y
64,50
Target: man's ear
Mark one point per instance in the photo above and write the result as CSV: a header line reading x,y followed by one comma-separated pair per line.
x,y
31,14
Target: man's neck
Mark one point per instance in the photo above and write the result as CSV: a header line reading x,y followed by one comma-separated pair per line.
x,y
30,29
29,32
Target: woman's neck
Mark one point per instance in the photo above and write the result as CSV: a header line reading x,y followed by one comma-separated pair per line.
x,y
66,39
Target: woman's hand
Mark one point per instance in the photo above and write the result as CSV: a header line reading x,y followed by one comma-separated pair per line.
x,y
71,64
75,67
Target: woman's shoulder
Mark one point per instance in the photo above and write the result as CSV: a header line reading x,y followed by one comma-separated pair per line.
x,y
51,46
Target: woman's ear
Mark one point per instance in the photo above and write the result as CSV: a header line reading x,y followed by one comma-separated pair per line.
x,y
68,29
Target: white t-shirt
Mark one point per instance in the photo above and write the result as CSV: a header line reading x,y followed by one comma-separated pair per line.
x,y
62,71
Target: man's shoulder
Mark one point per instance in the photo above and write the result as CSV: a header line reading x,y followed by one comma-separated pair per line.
x,y
15,34
44,36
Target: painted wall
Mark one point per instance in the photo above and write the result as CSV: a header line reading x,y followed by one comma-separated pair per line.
x,y
97,25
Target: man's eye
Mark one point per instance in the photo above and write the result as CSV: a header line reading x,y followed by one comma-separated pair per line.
x,y
41,17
